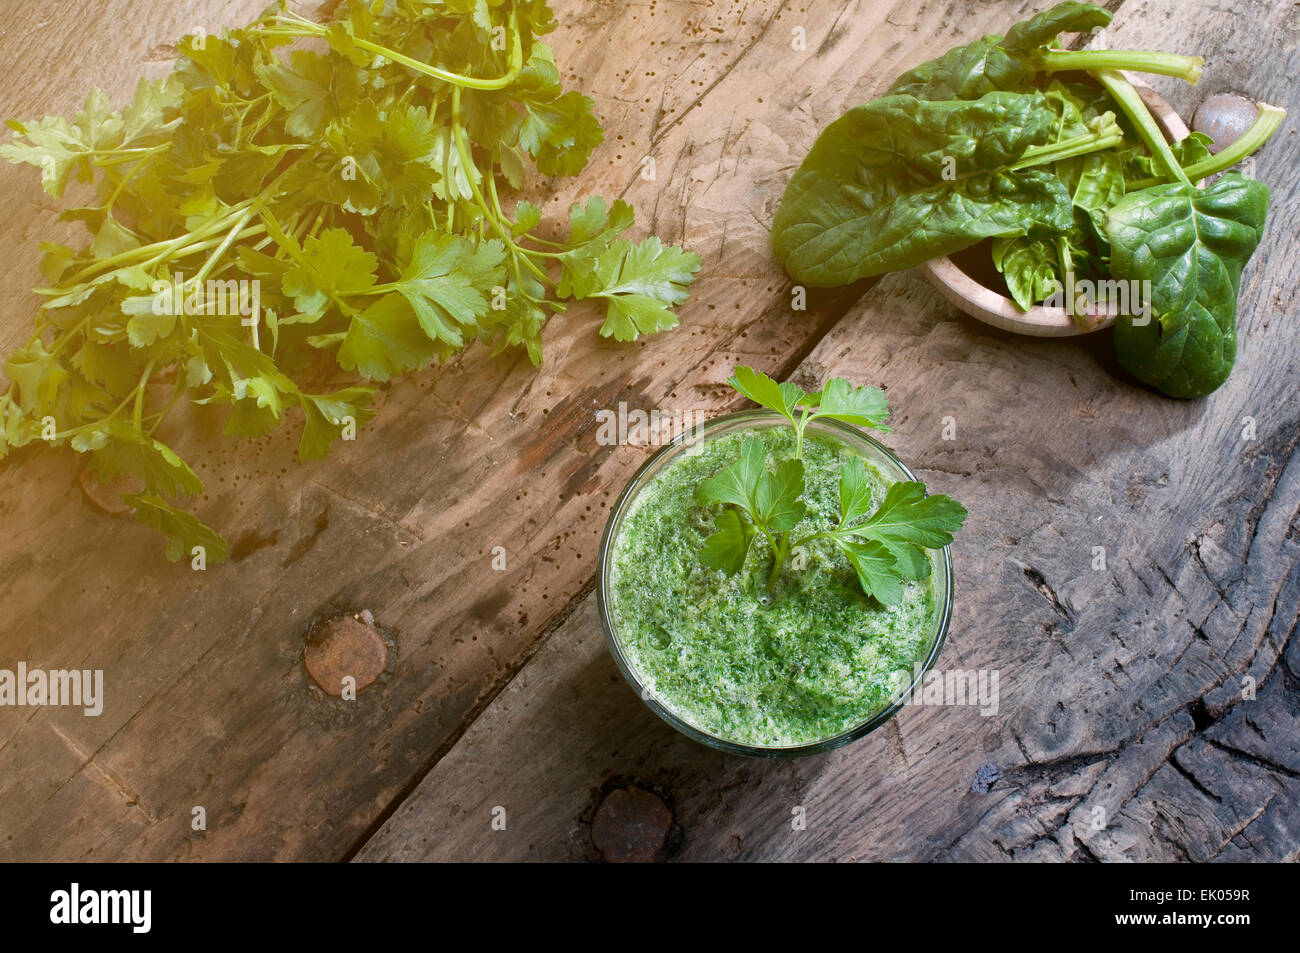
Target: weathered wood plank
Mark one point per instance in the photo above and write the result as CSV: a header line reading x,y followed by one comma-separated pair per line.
x,y
1125,728
1095,685
208,703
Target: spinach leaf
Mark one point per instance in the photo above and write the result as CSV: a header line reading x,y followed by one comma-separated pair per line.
x,y
1139,165
1035,266
1095,181
1192,245
995,62
900,180
1029,267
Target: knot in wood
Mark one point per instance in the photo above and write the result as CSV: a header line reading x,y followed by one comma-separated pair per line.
x,y
345,647
631,826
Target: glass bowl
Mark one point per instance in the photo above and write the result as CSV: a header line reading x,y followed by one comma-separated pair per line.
x,y
852,437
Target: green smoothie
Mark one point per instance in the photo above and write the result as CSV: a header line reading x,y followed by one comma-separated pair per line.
x,y
809,659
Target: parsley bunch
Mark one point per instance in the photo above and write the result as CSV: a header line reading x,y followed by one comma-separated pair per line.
x,y
885,548
347,194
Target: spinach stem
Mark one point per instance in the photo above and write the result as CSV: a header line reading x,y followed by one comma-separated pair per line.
x,y
1140,61
1066,260
1124,93
1258,133
1094,141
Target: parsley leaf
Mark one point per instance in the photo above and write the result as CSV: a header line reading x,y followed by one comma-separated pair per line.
x,y
885,548
906,523
728,548
877,568
37,376
907,515
184,531
386,340
864,406
330,266
561,134
777,500
641,283
855,491
327,414
156,464
356,181
762,390
737,483
448,282
769,502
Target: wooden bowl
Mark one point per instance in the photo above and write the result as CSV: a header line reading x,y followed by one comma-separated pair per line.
x,y
995,308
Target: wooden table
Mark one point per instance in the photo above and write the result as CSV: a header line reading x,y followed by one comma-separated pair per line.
x,y
1122,730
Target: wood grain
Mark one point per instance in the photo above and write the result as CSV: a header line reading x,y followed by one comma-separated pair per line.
x,y
1148,709
208,704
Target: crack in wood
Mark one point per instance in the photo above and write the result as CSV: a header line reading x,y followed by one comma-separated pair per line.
x,y
1241,828
1191,778
129,796
1258,761
1040,583
508,675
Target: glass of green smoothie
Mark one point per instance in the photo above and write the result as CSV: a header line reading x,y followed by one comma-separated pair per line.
x,y
753,663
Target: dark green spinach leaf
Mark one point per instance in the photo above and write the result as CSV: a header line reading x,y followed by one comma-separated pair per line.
x,y
900,180
1191,245
995,62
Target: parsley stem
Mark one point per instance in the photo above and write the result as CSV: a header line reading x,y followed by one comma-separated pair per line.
x,y
799,426
776,556
779,552
66,338
166,246
119,156
211,263
177,392
247,232
316,225
295,26
516,249
137,414
108,206
544,241
495,220
496,199
467,160
283,241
